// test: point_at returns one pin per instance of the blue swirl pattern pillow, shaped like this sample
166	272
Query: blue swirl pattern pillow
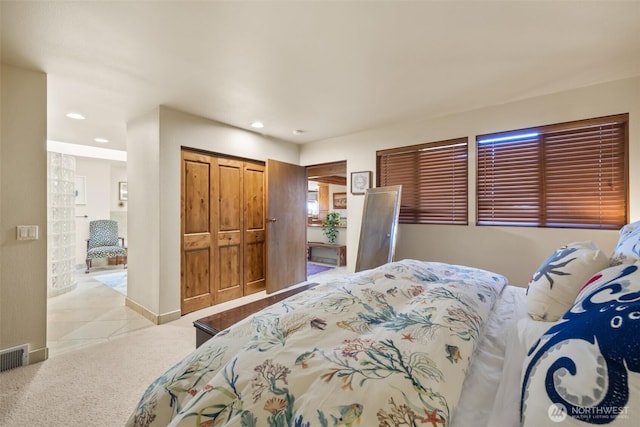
553	288
586	368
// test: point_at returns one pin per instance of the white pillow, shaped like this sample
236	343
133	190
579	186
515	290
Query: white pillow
586	368
554	286
627	250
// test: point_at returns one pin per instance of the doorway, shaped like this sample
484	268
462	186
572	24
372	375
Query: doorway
327	192
84	309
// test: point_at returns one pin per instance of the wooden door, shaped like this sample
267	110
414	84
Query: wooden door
229	227
224	247
197	252
254	228
287	225
223	229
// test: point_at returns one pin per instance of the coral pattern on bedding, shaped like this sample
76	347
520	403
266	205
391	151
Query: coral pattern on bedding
627	250
388	346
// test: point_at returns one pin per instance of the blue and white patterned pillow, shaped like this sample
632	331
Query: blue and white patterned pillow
627	250
586	368
553	288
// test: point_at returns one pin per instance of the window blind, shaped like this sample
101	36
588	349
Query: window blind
566	175
433	178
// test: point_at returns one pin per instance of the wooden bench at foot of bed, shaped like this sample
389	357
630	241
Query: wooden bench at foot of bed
209	326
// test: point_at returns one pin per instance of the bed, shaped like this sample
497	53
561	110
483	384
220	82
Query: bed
415	343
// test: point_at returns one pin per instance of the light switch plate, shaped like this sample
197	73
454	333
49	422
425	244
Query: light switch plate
27	232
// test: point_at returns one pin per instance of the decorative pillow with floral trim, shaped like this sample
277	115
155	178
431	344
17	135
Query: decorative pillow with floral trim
553	288
627	251
586	368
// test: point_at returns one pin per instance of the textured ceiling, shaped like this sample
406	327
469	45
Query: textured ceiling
328	68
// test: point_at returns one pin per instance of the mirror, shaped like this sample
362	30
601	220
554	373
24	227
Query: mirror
379	225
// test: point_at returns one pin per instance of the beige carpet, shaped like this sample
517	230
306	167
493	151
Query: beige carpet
95	386
100	385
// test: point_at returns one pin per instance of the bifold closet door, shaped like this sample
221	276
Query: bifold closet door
254	228
229	226
223	229
197	252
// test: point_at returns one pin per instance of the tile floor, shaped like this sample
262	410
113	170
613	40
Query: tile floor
90	314
94	313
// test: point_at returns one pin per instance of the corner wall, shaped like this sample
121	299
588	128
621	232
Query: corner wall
513	251
153	169
23	201
143	215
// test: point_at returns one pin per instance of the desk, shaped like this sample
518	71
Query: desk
341	252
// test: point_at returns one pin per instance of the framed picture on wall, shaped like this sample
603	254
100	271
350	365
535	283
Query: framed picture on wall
339	200
80	190
123	193
360	181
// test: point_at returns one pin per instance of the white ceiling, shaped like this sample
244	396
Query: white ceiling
326	67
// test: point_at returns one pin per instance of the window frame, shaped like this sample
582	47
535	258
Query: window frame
547	198
412	209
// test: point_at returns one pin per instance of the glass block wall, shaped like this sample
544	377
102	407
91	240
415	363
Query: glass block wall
61	242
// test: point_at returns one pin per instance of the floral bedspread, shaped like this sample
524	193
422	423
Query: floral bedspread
387	347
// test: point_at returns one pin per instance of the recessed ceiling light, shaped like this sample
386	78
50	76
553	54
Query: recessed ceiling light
298	132
257	125
75	116
103	140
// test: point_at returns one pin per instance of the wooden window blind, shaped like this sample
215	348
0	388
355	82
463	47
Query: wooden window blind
433	178
570	175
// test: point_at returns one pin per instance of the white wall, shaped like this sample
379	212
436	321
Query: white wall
315	234
513	251
23	200
153	167
143	174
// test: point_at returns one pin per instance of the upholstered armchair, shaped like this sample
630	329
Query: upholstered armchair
104	242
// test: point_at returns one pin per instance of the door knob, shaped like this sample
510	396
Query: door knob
272	219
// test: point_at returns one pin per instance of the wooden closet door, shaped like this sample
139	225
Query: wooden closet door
229	226
197	252
254	231
223	229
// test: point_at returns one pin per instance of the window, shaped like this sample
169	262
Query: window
433	178
566	175
312	208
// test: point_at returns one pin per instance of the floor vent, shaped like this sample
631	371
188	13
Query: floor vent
14	357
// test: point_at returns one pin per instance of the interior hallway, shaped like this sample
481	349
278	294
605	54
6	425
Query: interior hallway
90	314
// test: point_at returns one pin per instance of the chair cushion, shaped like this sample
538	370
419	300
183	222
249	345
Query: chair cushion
106	251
